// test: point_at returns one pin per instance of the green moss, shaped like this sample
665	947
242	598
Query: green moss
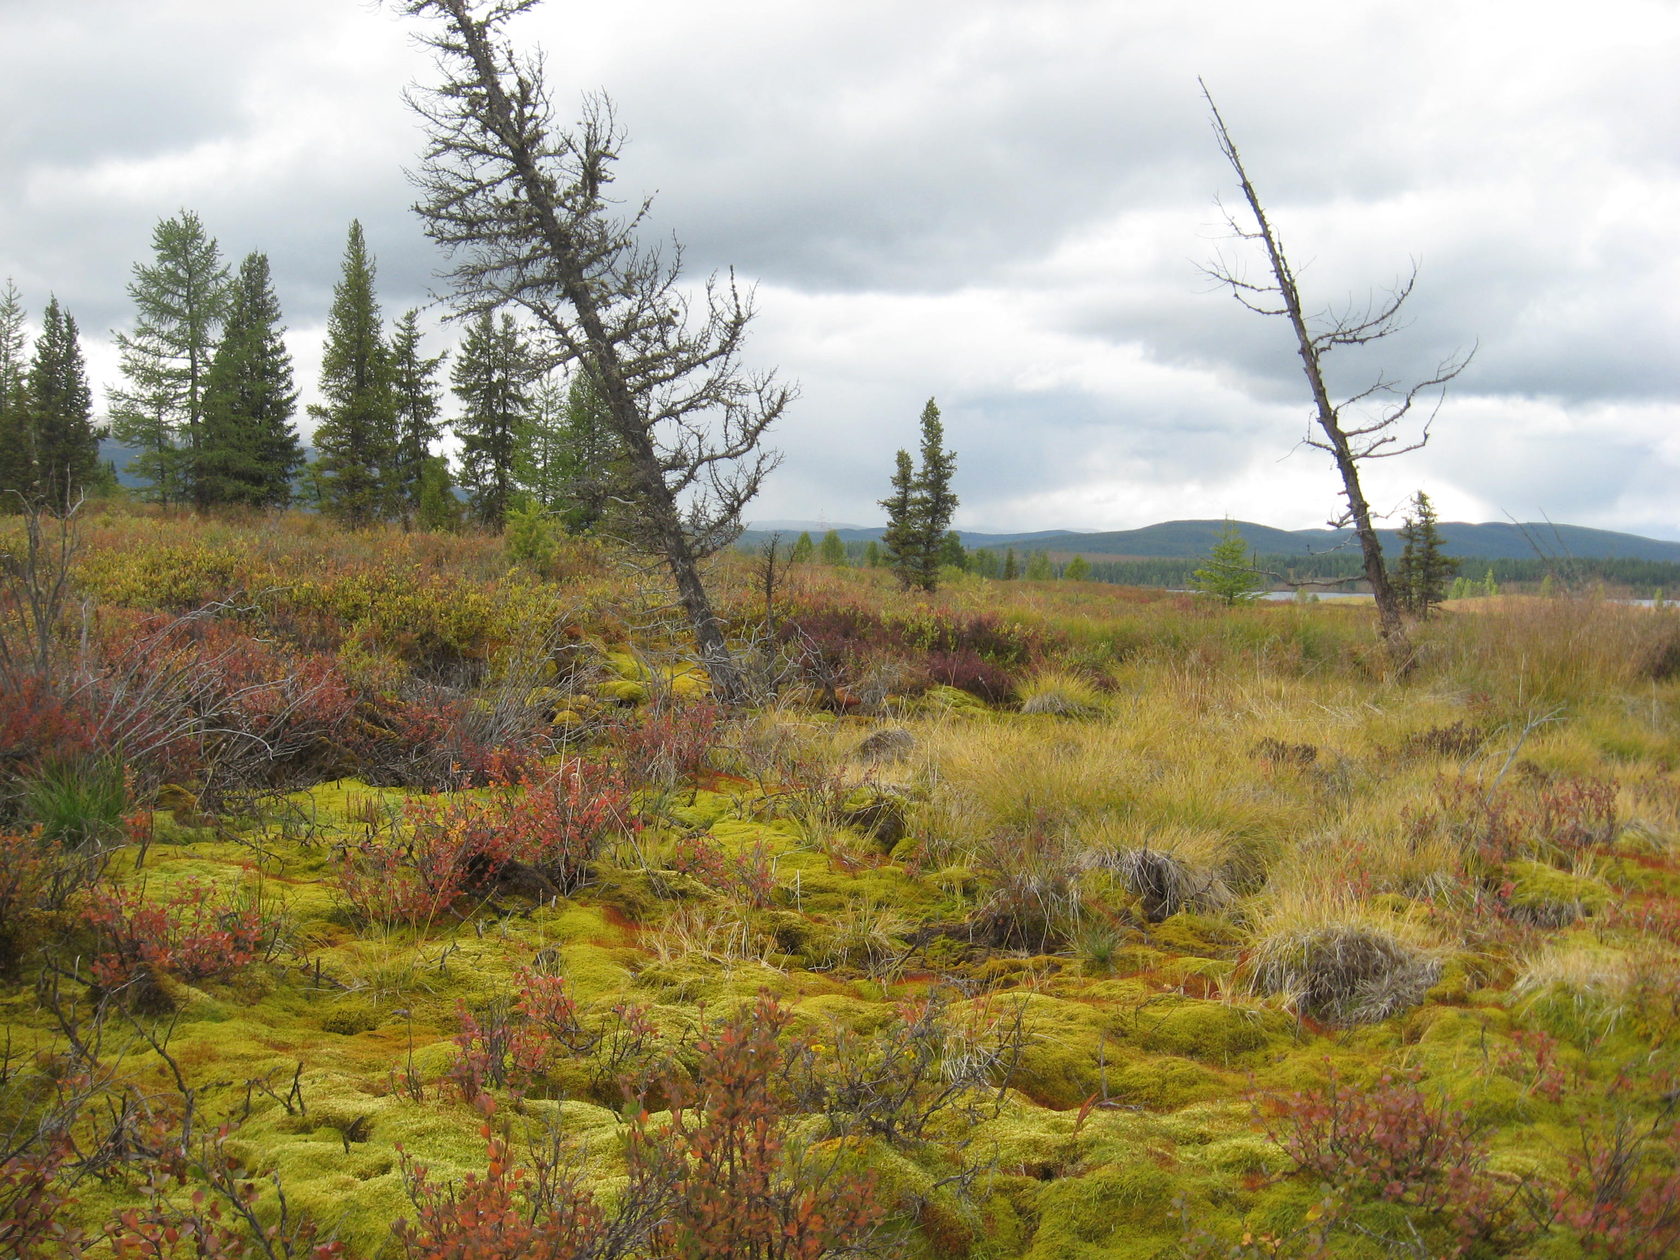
1216	1032
1544	895
622	691
1187	933
1123	1200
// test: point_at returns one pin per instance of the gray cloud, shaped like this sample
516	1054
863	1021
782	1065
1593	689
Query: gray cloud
1000	205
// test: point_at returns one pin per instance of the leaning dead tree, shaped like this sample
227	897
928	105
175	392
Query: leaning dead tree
520	206
1371	424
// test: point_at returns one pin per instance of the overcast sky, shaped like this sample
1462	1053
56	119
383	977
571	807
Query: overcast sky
998	204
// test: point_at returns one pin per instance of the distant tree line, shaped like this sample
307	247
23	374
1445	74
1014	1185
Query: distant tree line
207	402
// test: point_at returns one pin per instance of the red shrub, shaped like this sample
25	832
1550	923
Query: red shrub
190	936
1397	1142
748	877
743	1193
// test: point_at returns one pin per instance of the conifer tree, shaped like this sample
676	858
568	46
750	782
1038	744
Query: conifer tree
900	538
1010	569
1423	575
61	413
1078	569
356	427
803	550
415	396
1228	572
492	378
872	555
180	300
249	450
1038	567
831	550
17	438
935	501
920	507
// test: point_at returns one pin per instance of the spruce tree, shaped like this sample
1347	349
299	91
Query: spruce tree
415	395
1423	575
17	439
180	300
1228	572
356	427
249	450
1010	569
492	378
919	509
934	501
901	537
60	413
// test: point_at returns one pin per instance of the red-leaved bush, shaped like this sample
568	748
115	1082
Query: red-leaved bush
1399	1143
191	935
537	838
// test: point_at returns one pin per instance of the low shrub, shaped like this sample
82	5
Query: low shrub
191	935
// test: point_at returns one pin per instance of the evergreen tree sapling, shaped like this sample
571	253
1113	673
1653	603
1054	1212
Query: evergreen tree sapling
356	427
248	449
1011	570
415	396
1423	576
180	301
1228	574
60	413
492	378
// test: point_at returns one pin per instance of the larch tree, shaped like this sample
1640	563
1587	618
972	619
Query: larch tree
60	411
492	378
520	204
1369	424
180	300
1228	573
356	426
1425	571
249	450
416	399
17	436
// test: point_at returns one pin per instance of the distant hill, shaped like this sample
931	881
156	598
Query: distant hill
1493	540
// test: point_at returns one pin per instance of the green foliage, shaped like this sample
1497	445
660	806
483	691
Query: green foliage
17	435
1039	568
66	444
356	429
1078	569
1229	573
248	450
832	551
414	394
920	507
1420	579
532	535
804	550
179	300
492	377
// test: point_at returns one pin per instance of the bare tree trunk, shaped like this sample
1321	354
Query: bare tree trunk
1347	445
